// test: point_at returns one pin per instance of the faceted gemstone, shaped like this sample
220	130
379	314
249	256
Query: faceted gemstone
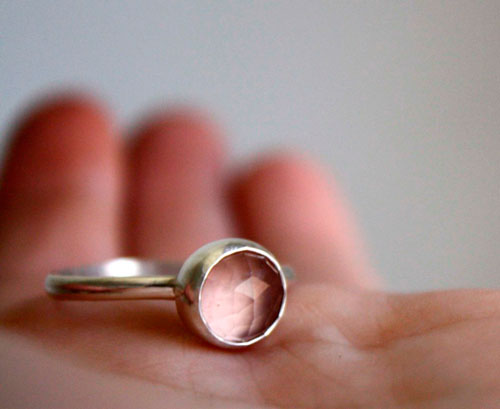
241	296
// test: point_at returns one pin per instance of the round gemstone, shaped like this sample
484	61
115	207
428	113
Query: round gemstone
242	296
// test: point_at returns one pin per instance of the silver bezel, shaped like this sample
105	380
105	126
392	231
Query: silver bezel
192	276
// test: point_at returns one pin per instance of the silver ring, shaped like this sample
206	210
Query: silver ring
231	292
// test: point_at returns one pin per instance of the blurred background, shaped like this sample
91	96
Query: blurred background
400	99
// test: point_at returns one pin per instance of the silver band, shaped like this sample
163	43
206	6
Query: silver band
123	278
119	279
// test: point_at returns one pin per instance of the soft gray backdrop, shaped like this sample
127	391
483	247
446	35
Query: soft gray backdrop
401	99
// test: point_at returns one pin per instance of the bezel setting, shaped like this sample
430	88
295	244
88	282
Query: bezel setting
192	276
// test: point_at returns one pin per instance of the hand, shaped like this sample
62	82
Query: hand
72	193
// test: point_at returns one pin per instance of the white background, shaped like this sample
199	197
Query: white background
400	99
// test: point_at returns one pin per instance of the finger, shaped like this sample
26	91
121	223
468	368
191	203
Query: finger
60	192
176	190
290	205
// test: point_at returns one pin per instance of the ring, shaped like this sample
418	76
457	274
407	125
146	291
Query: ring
230	292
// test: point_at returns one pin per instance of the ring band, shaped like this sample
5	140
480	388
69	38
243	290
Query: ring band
231	292
118	279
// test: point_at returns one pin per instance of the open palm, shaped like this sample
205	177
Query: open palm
74	193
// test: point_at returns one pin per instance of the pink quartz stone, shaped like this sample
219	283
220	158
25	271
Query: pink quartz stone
242	296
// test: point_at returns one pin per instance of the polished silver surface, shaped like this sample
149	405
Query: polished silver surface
131	278
118	279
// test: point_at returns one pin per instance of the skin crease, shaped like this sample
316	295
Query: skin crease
73	192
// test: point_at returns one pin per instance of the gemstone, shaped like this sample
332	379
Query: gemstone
242	296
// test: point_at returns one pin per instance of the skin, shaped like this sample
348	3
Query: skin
73	192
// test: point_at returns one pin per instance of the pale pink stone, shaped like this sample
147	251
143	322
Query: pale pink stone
241	296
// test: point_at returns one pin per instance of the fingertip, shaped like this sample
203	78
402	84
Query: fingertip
70	131
188	132
285	170
279	183
50	107
289	202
